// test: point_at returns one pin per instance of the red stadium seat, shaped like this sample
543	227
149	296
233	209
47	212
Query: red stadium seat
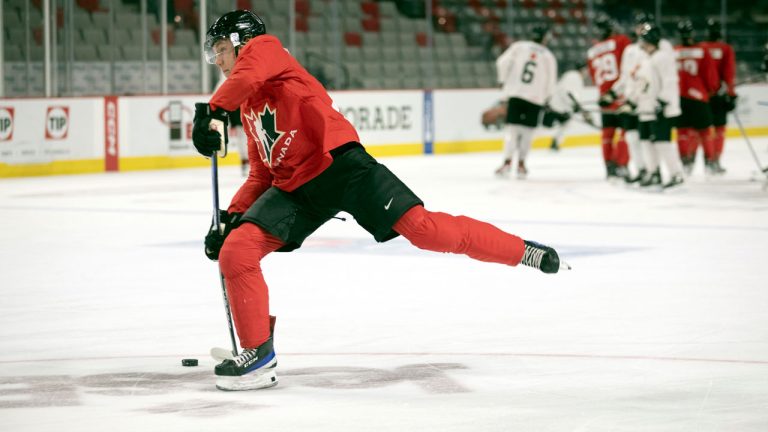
156	36
302	7
89	5
353	39
421	39
302	24
370	8
371	25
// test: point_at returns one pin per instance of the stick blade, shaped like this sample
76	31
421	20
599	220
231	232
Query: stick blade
220	354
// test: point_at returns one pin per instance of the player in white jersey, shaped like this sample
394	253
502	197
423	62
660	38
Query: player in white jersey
527	71
656	99
631	58
564	103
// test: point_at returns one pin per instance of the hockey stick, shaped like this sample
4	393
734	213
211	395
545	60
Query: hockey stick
220	354
217	222
579	109
749	143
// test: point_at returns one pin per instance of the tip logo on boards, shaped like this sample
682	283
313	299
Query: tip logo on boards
57	122
6	123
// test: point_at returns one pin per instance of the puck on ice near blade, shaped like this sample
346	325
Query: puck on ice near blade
189	362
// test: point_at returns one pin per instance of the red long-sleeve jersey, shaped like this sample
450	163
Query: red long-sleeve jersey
696	70
287	115
725	63
604	60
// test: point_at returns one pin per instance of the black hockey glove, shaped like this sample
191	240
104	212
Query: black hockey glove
626	108
607	99
729	102
215	237
206	139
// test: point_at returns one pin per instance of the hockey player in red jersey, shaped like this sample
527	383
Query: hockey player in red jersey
724	100
698	81
604	60
307	164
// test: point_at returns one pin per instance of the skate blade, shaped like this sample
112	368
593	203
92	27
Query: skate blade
252	381
564	265
221	354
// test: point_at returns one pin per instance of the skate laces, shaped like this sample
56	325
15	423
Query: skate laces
533	256
246	356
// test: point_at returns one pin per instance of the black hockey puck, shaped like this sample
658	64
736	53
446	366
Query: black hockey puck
189	362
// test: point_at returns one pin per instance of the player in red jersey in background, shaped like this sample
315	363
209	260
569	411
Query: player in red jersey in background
724	100
306	165
604	61
698	82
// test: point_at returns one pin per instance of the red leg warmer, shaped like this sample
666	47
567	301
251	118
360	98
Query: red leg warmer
685	146
708	142
607	143
248	294
621	153
441	232
719	141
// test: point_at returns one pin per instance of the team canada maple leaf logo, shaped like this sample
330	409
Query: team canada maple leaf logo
263	129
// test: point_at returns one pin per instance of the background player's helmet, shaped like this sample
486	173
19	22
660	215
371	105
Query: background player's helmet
236	26
651	33
685	30
605	25
714	31
539	32
644	18
764	66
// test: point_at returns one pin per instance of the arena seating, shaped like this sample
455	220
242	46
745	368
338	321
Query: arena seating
363	44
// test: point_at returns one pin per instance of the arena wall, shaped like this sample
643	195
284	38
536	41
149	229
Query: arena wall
125	133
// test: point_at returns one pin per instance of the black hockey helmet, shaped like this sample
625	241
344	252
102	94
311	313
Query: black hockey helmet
605	24
714	31
236	26
539	32
644	18
685	30
764	66
651	33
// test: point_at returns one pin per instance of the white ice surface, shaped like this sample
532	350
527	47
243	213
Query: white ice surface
661	326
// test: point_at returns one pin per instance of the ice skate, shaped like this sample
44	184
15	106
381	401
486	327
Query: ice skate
639	177
504	170
674	181
718	169
542	257
713	168
653	179
253	369
522	171
621	173
610	170
688	166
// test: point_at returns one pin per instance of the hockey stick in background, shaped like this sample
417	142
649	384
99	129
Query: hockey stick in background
217	224
578	108
749	143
